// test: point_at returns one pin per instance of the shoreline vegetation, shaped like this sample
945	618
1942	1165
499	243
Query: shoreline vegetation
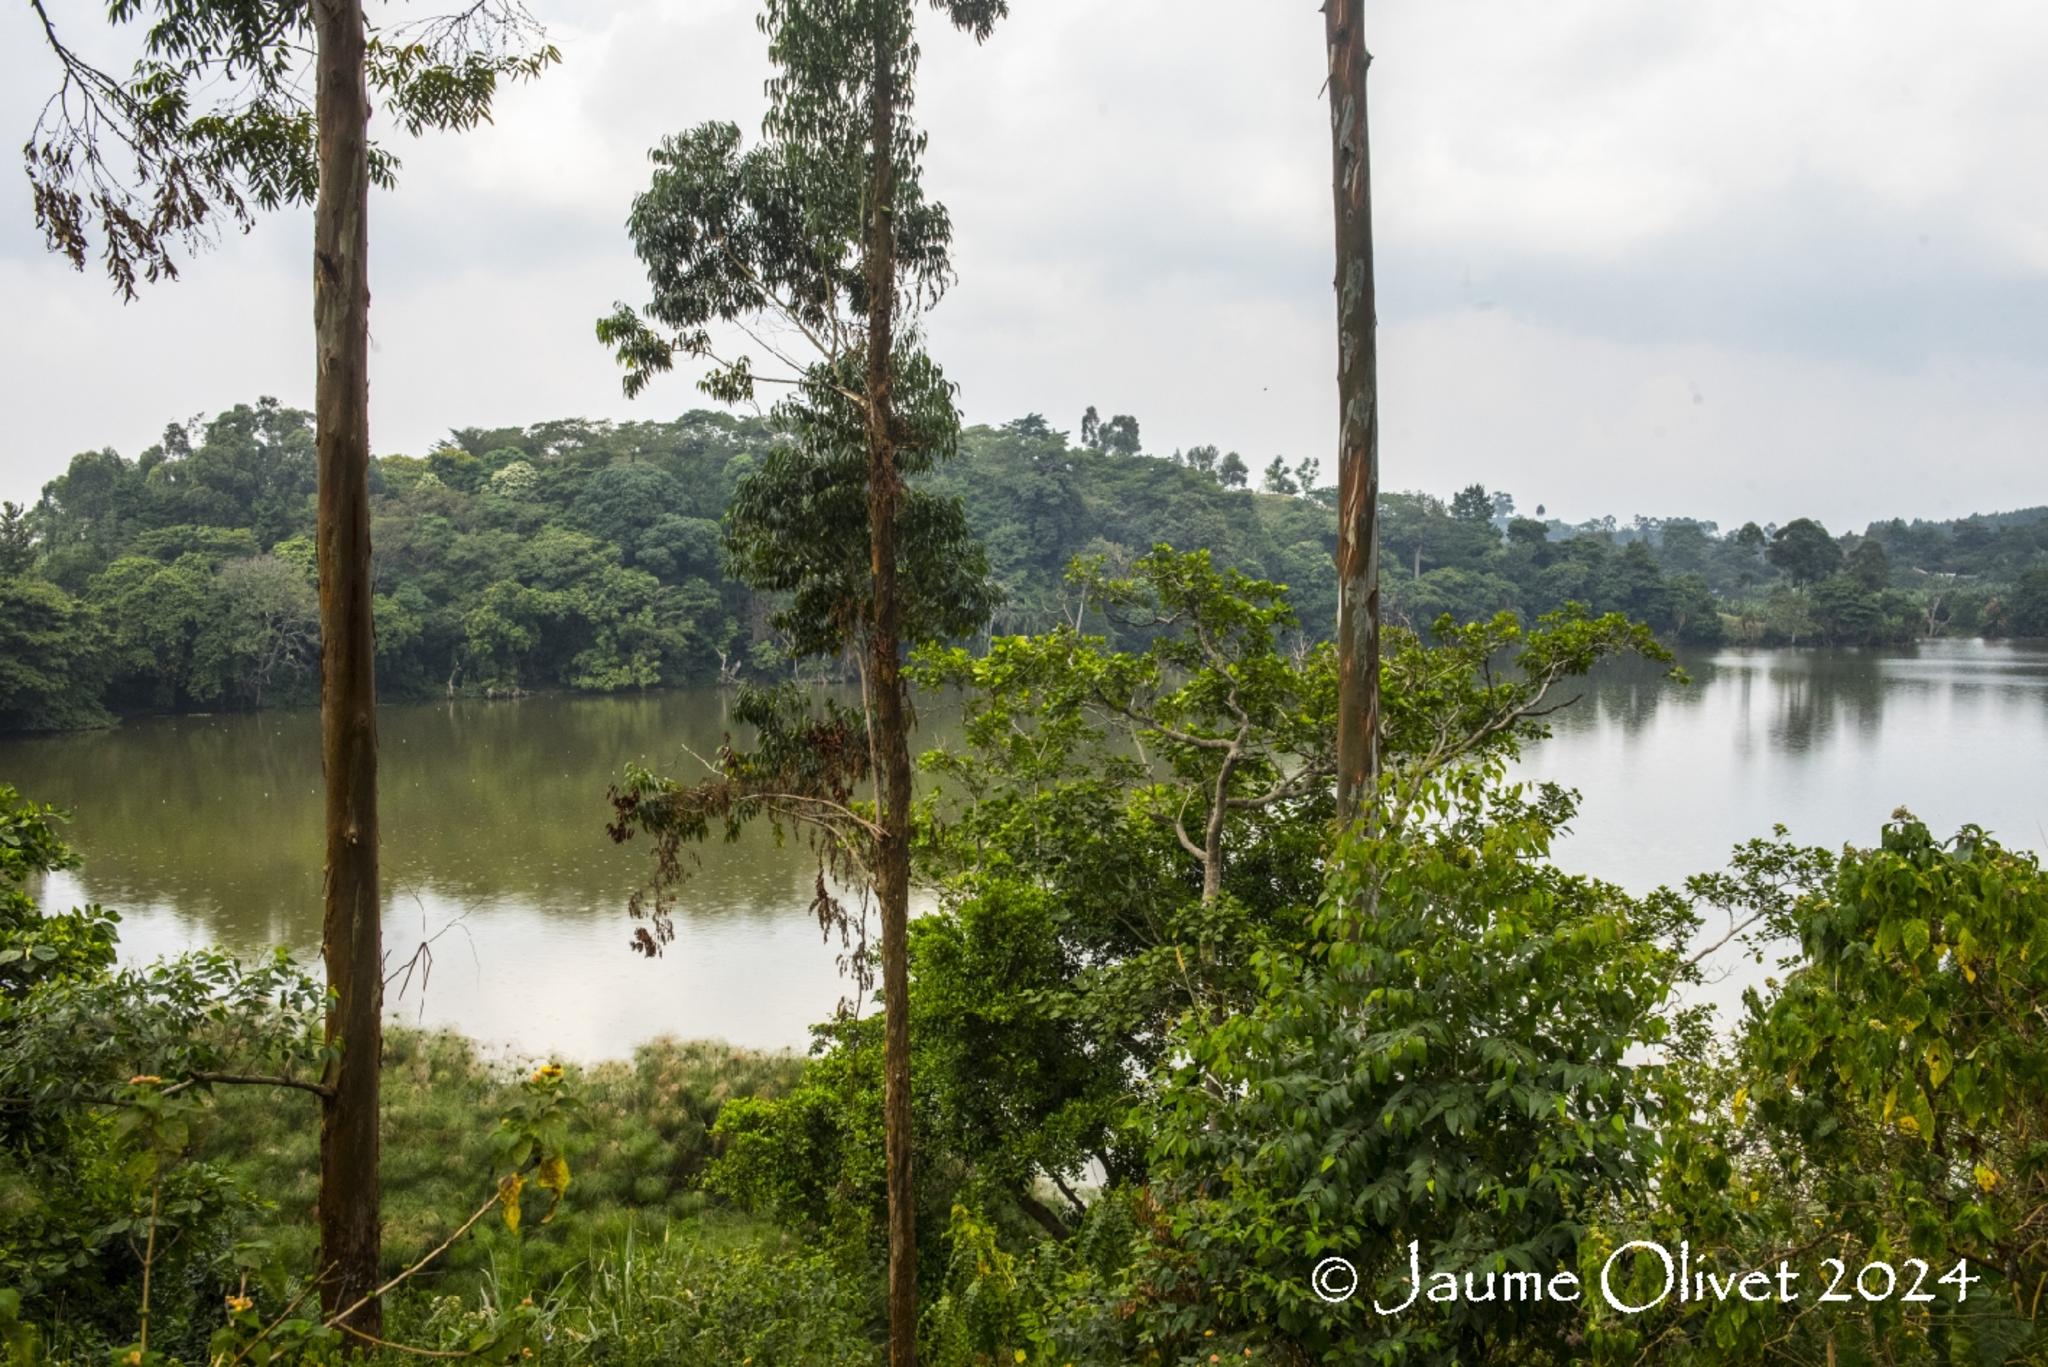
1146	1105
579	556
832	679
1109	1178
1248	955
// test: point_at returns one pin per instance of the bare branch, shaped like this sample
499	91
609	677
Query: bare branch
249	1080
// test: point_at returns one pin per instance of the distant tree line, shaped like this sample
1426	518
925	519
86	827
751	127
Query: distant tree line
591	556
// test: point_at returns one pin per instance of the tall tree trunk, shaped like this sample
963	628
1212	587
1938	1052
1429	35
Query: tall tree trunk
1358	443
886	702
351	937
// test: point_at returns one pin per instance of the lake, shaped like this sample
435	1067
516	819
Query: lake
206	830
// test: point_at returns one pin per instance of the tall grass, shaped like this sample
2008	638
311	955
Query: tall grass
755	1297
635	1165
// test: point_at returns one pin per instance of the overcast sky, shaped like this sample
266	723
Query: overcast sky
1760	258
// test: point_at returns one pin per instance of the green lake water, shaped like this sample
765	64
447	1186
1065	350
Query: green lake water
206	830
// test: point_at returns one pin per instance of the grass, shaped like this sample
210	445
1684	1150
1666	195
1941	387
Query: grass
640	1267
759	1300
636	1161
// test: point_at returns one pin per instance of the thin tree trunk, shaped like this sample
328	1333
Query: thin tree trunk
1212	829
351	938
1358	446
886	703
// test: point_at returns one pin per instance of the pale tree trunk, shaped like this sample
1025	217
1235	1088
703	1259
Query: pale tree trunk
886	702
1358	448
351	938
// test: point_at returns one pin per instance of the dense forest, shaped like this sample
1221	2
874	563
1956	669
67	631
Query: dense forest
1246	1018
591	556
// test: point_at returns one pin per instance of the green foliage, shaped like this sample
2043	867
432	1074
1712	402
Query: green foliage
983	1314
1463	1047
1935	1070
763	1303
727	234
52	661
17	540
1239	724
1075	927
36	948
126	1218
599	1287
2026	614
92	1184
1448	1056
798	523
1881	1101
1869	566
782	231
601	562
638	1152
1119	436
1804	550
808	757
1845	611
812	1160
216	119
529	1147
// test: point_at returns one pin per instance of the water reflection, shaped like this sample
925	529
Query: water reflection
206	830
1826	741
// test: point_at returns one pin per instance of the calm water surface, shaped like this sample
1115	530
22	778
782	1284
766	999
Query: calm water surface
206	830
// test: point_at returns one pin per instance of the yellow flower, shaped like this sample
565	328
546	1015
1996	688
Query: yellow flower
547	1072
237	1304
145	1080
134	1358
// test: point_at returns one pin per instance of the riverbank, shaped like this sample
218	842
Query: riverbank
637	1163
160	1151
209	833
641	1265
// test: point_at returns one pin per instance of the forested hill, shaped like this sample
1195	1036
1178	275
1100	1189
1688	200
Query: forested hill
587	555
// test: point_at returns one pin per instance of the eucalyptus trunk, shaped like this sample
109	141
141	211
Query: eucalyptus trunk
1358	443
351	937
885	699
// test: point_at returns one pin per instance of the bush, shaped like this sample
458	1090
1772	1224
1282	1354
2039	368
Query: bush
1455	1055
672	1300
638	1156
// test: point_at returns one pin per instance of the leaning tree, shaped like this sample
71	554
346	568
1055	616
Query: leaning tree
211	124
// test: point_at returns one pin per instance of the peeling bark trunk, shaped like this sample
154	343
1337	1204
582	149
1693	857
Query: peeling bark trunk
1358	548
351	936
885	700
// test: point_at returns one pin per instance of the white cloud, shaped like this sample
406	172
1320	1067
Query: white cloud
1818	214
1591	427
